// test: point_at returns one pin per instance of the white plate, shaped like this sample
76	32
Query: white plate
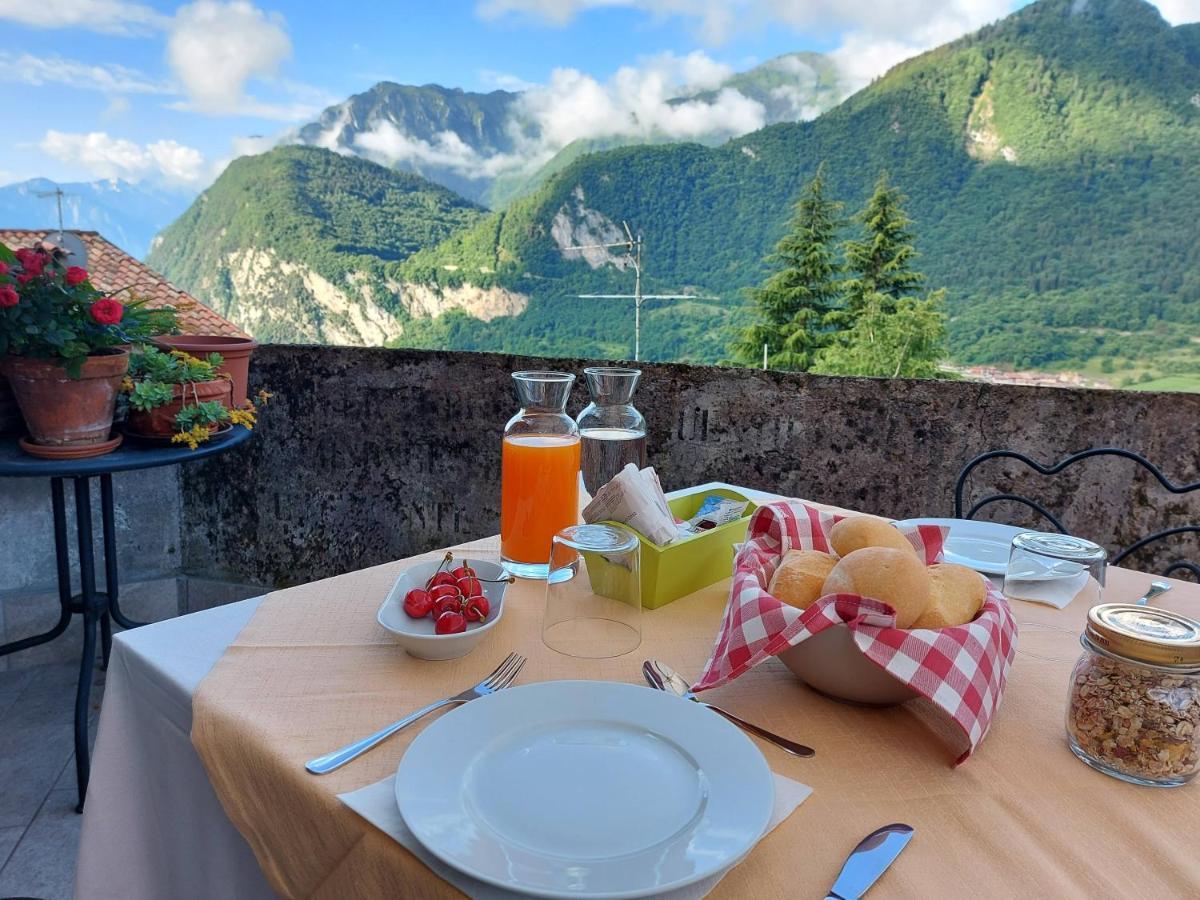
585	789
982	546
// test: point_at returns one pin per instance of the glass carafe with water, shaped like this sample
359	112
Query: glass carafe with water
611	430
539	476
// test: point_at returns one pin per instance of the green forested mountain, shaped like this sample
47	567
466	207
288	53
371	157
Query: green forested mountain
1051	166
297	244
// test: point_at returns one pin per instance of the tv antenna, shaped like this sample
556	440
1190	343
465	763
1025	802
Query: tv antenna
58	193
633	249
68	242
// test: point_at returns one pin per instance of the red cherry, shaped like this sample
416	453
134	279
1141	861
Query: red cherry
441	578
418	603
444	590
476	608
462	572
450	623
446	604
470	586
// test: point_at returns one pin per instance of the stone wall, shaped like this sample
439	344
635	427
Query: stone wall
367	455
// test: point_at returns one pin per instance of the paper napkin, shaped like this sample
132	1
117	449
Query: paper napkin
377	804
1056	592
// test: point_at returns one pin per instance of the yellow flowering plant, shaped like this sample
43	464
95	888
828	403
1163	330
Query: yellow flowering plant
157	379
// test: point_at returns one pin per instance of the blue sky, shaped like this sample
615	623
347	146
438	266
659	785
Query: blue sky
169	92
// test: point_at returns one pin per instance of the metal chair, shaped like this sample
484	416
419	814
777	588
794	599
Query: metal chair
959	485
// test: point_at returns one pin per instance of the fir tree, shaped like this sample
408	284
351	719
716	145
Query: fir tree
795	301
880	262
882	328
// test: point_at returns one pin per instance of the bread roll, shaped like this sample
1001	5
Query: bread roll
956	594
896	577
857	532
800	576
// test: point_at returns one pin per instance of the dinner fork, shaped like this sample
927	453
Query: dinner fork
664	678
498	680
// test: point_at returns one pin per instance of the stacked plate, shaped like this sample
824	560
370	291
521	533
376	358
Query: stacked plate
585	789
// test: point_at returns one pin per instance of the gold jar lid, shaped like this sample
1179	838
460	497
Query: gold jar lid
1145	634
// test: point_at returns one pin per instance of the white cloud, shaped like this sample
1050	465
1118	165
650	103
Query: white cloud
215	47
502	81
1178	12
104	16
36	71
104	156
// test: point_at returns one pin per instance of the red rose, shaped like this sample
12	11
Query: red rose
107	311
3	268
24	255
76	275
8	296
24	278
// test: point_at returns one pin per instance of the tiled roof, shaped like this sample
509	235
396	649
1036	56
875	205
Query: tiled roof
112	269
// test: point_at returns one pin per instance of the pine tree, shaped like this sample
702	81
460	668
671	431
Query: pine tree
796	300
882	328
881	261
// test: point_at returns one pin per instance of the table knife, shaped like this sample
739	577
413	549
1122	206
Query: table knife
869	860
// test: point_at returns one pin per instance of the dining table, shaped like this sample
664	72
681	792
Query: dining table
199	790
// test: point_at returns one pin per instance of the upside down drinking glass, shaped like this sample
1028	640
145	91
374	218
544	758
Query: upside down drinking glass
539	478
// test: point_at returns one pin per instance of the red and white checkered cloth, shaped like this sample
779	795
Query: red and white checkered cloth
962	670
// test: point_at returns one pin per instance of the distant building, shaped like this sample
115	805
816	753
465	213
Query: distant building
112	269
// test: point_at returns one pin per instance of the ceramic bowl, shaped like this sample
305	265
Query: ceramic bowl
417	636
831	663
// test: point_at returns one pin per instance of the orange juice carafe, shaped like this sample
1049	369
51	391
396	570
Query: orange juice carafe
539	472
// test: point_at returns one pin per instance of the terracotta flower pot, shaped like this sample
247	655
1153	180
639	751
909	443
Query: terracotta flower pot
10	416
160	422
235	350
63	411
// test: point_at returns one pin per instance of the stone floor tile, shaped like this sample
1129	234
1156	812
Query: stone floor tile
43	863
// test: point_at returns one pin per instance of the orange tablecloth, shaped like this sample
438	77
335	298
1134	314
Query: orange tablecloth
313	670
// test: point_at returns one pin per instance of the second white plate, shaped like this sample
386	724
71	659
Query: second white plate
982	546
585	789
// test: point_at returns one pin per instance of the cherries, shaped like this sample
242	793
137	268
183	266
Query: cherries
451	597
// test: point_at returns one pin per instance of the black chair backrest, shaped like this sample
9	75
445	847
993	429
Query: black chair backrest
960	485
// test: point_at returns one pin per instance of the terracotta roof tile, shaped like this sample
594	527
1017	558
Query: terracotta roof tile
112	269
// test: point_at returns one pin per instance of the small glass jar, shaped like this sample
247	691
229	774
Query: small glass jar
1133	711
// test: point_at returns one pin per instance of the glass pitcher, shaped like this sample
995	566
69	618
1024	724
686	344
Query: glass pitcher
612	431
539	472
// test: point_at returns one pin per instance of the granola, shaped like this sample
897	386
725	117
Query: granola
1140	721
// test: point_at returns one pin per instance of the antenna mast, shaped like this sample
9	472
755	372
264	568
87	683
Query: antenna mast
57	194
633	249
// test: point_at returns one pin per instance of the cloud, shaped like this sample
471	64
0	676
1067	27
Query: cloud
214	48
1179	12
164	161
104	16
37	71
503	81
874	35
575	106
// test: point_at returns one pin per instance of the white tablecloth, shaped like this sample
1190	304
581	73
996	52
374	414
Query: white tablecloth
152	826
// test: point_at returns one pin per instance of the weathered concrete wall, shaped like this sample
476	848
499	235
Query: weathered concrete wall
367	455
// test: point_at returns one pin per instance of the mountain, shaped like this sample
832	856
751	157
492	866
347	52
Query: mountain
1051	164
128	215
792	88
489	147
440	133
300	244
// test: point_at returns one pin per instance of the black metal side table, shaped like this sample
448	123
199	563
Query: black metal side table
98	608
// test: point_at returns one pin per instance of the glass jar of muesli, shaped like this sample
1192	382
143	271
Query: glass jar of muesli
1134	705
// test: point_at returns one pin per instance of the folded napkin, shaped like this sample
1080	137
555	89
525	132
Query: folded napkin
961	670
377	804
1056	592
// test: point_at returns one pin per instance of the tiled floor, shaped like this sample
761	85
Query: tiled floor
39	829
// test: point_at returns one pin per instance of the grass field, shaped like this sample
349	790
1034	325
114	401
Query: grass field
1187	383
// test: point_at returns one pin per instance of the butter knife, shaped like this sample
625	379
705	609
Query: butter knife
869	860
